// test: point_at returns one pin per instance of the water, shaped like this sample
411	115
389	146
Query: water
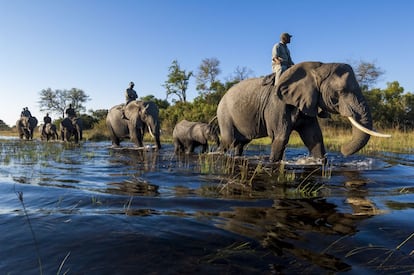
90	209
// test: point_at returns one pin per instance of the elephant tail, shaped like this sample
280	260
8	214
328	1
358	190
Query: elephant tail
213	123
212	120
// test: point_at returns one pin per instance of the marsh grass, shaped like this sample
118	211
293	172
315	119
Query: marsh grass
385	259
233	250
30	152
310	189
19	195
251	177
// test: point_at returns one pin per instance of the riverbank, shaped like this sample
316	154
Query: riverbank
400	142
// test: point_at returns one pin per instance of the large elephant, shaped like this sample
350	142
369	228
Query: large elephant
25	126
140	116
254	108
71	127
187	135
48	131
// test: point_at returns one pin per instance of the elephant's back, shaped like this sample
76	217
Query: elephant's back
183	126
188	129
242	95
116	107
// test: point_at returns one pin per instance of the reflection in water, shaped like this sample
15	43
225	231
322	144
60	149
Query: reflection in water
141	211
133	187
294	227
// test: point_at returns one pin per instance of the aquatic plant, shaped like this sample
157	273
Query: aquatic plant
19	195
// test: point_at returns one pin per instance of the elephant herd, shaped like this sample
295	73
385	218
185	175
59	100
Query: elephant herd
143	117
69	128
255	108
258	107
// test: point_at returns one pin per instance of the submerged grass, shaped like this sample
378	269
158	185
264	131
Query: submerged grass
252	177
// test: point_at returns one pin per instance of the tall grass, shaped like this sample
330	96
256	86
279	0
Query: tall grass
334	138
402	141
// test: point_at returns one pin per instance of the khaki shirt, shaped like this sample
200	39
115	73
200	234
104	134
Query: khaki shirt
281	50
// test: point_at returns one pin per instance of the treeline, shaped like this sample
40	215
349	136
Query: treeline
391	107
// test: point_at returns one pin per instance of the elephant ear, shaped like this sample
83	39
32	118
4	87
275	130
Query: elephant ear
299	86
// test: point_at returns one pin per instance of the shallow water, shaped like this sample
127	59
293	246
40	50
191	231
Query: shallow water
91	209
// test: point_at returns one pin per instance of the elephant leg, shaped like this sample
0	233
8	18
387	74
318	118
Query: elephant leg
239	147
177	146
115	140
278	148
205	148
226	134
311	135
136	137
158	142
279	143
190	147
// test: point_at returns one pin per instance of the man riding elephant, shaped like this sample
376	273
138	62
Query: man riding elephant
130	95
71	125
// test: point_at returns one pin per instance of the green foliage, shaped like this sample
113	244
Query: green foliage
99	114
3	126
88	121
177	83
391	107
161	103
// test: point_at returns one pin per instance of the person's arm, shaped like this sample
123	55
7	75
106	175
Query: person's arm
276	55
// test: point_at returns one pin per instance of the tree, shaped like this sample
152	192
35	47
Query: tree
56	101
3	126
391	107
177	83
99	114
367	74
161	103
207	74
240	73
77	97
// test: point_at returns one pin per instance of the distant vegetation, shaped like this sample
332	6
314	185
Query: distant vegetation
391	108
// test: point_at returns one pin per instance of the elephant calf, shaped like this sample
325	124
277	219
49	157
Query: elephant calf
188	135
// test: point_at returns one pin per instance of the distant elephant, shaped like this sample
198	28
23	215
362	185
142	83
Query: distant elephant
255	108
188	135
25	126
71	127
48	131
140	117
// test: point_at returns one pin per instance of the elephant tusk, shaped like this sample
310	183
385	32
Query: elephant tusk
149	130
366	130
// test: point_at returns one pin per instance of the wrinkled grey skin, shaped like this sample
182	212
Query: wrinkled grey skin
141	117
248	110
25	127
48	132
188	135
71	128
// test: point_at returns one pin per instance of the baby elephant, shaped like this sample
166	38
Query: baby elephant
188	135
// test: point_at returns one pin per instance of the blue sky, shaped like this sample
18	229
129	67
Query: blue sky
99	46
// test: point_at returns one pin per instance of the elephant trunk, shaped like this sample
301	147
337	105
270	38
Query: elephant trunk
359	140
360	116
